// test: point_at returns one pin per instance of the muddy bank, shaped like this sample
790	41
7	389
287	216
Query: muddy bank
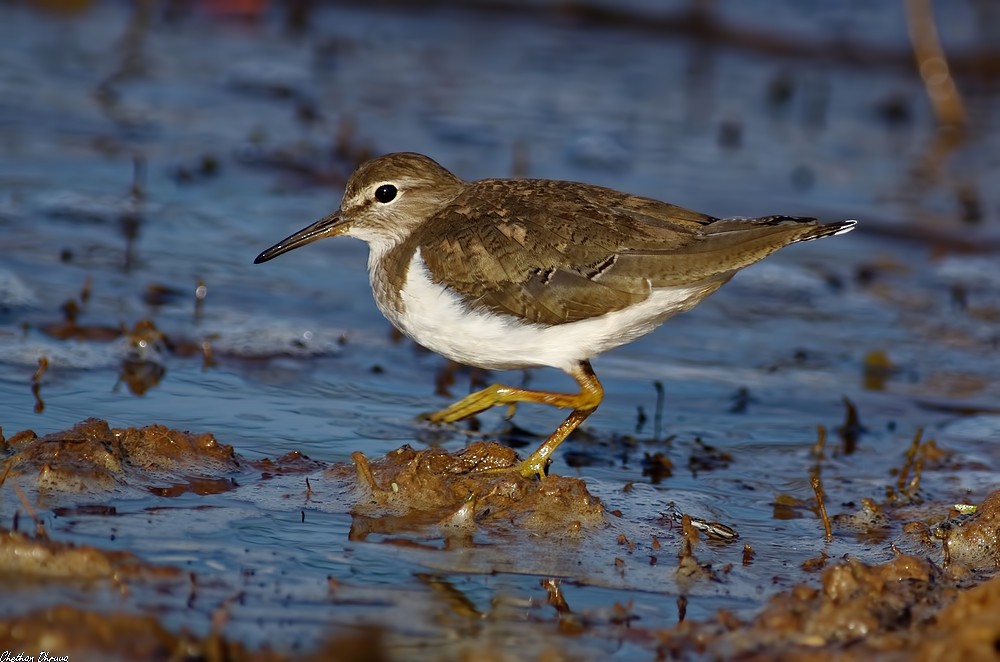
934	598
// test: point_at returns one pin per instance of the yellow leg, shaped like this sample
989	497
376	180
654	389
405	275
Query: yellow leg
583	405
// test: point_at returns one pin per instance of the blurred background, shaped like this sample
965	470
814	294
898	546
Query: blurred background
149	150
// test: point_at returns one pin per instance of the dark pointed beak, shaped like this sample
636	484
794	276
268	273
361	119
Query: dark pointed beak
329	226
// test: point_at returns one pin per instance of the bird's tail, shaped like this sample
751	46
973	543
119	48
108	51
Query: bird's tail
829	230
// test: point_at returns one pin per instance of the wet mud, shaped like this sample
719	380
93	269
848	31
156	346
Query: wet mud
92	457
478	486
925	602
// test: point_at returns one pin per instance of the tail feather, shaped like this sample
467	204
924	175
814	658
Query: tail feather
814	231
830	230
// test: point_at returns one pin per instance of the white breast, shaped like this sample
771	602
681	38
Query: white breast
435	317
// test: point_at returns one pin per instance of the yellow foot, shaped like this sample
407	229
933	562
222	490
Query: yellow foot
471	404
582	404
533	467
589	397
538	462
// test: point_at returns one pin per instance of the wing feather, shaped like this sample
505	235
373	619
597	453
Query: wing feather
558	252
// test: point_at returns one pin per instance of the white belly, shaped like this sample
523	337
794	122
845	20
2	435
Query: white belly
435	317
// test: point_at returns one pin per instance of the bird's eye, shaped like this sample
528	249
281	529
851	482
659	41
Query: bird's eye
385	193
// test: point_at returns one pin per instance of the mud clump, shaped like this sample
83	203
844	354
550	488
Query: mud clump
24	557
75	632
474	487
904	609
968	628
973	540
859	611
93	457
70	633
854	602
910	608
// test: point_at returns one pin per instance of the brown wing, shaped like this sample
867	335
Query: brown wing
557	252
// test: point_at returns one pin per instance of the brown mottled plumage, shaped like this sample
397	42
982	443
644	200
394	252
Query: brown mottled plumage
560	252
507	273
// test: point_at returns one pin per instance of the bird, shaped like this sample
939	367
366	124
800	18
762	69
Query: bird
521	273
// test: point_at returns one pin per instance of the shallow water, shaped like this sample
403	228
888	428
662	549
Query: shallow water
234	125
